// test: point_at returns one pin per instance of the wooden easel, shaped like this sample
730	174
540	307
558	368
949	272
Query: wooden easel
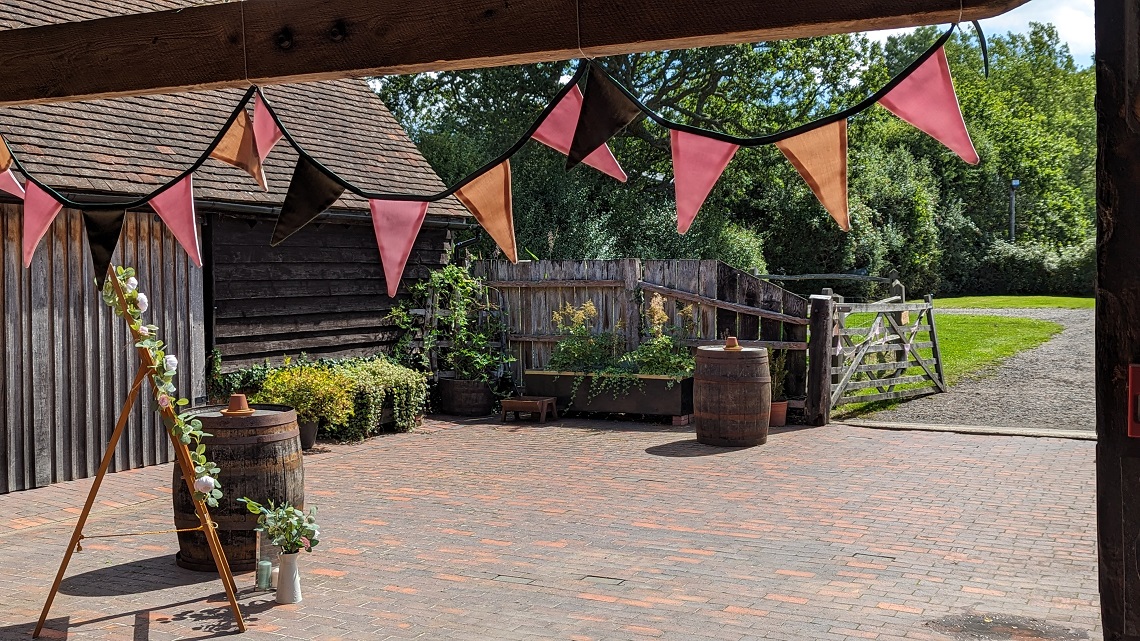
182	454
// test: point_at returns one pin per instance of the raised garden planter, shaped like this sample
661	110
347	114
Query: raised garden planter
660	395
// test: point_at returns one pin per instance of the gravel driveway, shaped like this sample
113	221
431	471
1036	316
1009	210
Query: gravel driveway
1048	387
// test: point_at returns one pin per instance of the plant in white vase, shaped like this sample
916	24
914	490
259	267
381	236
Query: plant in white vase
292	530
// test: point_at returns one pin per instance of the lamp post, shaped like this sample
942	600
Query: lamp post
1013	185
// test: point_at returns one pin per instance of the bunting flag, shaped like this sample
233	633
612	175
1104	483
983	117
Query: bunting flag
266	133
9	184
40	208
175	207
103	231
698	162
605	111
311	192
820	155
396	223
5	156
488	197
926	99
238	147
557	132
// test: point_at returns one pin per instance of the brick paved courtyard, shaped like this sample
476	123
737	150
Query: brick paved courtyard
592	530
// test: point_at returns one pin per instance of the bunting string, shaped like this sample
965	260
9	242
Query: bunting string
577	123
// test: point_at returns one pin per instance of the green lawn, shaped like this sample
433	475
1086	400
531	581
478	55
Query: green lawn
971	345
1007	302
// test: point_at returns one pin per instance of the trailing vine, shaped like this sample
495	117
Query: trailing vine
184	426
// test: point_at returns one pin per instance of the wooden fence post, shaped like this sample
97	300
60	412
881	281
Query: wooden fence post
817	408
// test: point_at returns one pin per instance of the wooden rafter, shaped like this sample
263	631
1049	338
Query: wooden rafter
274	41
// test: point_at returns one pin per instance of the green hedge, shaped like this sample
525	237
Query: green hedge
373	384
1035	269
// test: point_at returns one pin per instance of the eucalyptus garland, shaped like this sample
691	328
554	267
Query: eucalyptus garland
183	426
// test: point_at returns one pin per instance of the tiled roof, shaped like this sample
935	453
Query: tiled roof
131	145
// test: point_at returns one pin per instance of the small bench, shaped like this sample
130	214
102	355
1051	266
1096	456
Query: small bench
536	405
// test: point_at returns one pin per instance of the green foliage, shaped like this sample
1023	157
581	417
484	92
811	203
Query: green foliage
1037	269
371	385
379	383
778	367
289	528
317	393
471	325
601	356
247	380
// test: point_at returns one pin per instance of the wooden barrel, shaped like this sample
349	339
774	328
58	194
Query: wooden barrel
732	396
260	458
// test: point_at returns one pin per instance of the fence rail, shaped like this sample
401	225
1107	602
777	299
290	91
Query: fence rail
709	299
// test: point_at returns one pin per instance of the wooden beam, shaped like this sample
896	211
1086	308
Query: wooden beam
276	41
1117	312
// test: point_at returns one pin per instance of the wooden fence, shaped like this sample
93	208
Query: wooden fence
68	361
718	301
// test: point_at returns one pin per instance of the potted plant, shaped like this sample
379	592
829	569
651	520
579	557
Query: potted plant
779	371
318	394
591	371
457	332
292	530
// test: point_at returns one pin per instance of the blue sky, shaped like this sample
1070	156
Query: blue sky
1073	19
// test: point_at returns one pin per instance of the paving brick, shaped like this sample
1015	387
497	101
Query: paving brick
578	530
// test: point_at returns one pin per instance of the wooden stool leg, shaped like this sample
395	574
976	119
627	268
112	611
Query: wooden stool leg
503	416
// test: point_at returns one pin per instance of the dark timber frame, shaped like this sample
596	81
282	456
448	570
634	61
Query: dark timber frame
293	40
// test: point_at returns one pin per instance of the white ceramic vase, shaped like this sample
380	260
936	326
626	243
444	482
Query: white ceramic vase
289	579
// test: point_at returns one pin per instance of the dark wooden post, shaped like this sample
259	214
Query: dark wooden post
1117	313
817	408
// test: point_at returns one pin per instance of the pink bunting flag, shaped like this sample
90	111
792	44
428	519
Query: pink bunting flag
557	132
396	223
40	208
9	184
266	133
926	99
175	207
698	162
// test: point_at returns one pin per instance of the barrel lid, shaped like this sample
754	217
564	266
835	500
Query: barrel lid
721	349
264	414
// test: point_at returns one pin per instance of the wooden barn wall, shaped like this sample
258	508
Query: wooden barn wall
321	292
67	360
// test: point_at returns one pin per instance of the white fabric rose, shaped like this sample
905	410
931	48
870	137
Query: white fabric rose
142	303
143	331
132	284
205	485
171	362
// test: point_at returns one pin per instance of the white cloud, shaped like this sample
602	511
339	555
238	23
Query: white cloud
1072	18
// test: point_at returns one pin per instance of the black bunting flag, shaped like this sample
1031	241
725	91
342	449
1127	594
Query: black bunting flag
103	231
606	110
311	192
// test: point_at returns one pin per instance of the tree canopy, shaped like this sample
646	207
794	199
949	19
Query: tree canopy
915	205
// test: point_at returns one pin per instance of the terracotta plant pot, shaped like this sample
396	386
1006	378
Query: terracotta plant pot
308	434
289	579
779	416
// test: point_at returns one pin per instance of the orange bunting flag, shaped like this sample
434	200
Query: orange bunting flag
396	223
40	209
238	147
926	99
698	162
5	156
820	155
488	197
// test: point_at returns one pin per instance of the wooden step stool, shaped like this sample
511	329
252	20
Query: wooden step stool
536	405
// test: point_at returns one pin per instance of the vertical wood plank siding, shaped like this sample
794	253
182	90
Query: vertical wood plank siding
321	292
66	359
